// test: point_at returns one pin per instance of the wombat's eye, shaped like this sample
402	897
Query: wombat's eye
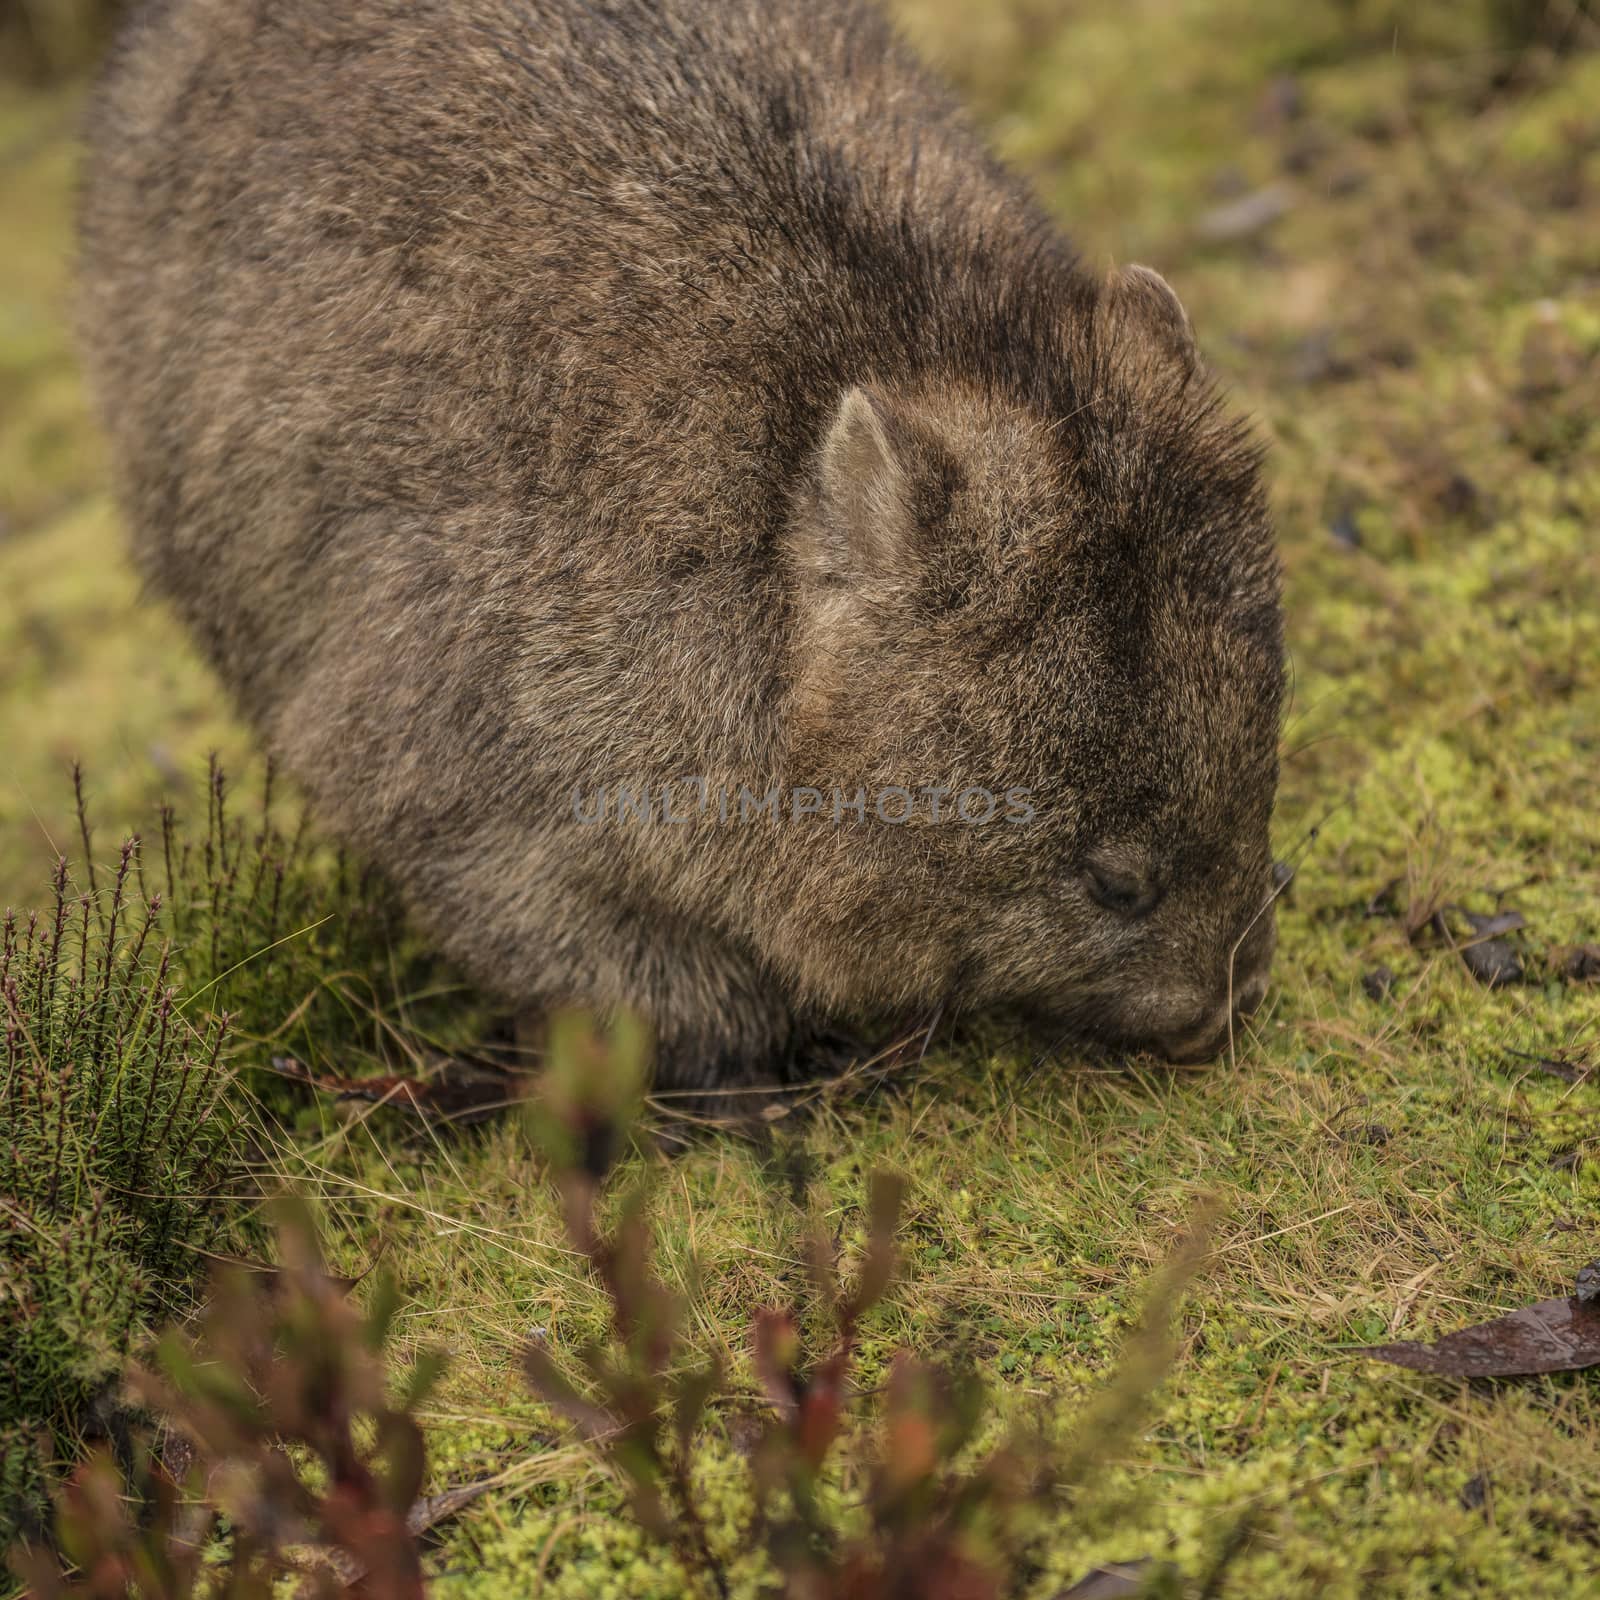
1122	892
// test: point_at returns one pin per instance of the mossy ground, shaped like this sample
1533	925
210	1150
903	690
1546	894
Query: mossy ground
1419	335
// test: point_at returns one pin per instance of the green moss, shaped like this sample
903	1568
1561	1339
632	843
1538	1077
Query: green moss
1420	339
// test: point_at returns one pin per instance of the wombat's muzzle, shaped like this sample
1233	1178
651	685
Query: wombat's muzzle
1241	992
1212	1037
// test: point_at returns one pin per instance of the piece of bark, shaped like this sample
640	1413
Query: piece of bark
457	1092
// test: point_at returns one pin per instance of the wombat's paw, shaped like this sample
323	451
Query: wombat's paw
714	1086
721	1087
826	1059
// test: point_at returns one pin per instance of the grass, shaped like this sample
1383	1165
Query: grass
122	1007
1419	335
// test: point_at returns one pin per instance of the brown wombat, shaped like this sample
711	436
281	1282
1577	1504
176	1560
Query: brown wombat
674	498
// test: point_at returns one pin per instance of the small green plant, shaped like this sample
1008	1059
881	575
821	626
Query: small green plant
938	1525
309	953
121	1003
302	1451
117	1133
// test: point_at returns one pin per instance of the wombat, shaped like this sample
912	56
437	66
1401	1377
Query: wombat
675	499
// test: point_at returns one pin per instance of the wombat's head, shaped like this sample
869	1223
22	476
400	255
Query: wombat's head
1068	600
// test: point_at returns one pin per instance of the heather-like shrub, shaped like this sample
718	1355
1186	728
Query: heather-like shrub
300	1447
117	1133
942	1518
128	1004
308	953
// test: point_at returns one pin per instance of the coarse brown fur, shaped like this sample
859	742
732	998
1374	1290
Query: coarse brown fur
526	398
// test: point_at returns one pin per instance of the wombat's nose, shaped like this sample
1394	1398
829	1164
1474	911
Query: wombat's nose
1200	1044
1206	1040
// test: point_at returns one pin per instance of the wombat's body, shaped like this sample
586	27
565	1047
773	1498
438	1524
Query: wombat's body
521	397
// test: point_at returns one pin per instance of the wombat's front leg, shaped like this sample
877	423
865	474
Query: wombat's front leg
715	1079
750	1053
719	1022
707	1076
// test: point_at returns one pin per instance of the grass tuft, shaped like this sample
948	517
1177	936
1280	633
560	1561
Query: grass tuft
130	1004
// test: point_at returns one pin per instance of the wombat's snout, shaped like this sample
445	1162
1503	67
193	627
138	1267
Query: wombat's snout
1209	1038
1204	1035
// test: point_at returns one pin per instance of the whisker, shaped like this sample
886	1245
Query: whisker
1298	855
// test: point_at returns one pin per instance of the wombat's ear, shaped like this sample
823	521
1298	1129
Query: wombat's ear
1140	298
865	497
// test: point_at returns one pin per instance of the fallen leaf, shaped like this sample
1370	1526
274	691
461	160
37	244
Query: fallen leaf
433	1509
457	1092
424	1514
1556	1066
1487	956
1120	1579
1582	964
1552	1336
1377	983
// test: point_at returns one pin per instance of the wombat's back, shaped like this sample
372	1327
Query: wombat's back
456	314
390	254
